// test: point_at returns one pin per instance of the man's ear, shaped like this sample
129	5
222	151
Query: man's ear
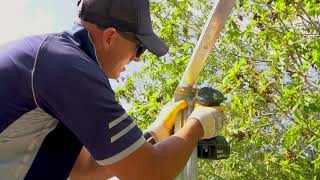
109	35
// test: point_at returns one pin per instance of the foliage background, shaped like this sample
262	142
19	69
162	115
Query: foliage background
266	62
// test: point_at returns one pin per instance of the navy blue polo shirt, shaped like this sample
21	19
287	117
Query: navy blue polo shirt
54	99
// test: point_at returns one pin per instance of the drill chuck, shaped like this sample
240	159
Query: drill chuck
207	96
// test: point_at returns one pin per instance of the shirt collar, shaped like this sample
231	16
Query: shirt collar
80	35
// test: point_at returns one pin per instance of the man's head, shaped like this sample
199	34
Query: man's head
121	30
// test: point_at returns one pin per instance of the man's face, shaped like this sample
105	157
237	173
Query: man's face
116	52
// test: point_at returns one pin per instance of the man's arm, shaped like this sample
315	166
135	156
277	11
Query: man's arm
162	161
86	168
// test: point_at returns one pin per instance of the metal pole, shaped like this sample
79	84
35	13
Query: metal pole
209	36
185	90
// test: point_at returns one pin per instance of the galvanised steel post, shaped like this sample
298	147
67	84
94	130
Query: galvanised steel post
186	89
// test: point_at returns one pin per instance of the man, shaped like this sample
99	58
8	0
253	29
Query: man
56	100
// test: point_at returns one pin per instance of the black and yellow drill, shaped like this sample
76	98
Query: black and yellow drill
218	147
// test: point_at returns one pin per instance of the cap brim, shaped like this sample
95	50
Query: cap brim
154	44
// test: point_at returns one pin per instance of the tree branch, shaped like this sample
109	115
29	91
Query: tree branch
310	20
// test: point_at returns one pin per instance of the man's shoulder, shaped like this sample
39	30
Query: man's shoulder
58	50
27	45
62	46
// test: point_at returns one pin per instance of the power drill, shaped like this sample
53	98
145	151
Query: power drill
218	147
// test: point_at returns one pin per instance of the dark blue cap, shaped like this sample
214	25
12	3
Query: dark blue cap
125	16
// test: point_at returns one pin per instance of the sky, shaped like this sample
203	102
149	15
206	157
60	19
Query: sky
25	17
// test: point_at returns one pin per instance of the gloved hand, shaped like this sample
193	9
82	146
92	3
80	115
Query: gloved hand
162	127
211	119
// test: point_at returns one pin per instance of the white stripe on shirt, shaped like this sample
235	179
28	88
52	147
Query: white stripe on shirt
118	120
123	132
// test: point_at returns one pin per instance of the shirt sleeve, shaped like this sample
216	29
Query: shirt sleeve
69	85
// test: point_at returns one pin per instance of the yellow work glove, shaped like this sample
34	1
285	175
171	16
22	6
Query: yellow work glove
162	127
211	118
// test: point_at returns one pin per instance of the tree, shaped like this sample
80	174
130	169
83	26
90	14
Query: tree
266	62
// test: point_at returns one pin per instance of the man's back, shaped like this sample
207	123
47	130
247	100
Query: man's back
23	126
30	134
32	141
16	64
